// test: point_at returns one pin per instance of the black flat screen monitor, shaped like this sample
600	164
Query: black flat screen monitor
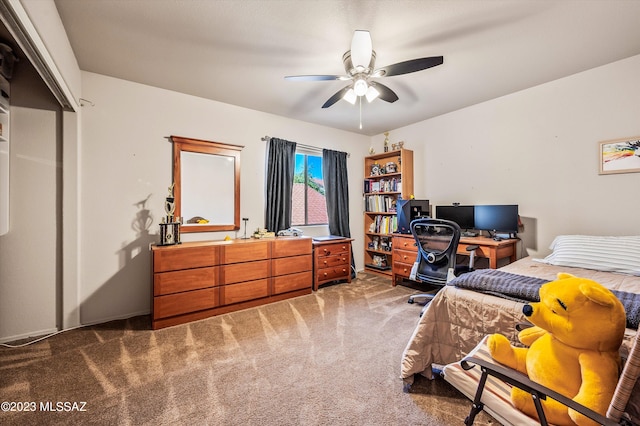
408	210
462	215
497	218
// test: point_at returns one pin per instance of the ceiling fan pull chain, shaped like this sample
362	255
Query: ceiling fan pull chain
360	98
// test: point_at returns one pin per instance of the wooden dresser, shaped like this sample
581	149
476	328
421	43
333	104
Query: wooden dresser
331	261
196	280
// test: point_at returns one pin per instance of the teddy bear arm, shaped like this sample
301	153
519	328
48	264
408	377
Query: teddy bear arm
531	334
599	379
501	350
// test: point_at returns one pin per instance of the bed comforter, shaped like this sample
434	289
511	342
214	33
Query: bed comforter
456	319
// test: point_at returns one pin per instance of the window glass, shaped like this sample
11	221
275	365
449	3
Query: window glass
309	202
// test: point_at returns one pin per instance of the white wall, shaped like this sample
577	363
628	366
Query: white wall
537	148
125	160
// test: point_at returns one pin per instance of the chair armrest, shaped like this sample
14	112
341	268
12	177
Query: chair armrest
519	380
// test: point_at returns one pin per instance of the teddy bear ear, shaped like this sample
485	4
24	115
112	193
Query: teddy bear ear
565	275
597	294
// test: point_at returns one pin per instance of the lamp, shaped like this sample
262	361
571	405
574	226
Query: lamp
350	96
372	93
360	87
361	50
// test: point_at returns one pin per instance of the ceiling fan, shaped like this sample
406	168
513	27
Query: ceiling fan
359	63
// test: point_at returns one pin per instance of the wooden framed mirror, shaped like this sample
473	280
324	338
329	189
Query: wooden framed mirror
206	178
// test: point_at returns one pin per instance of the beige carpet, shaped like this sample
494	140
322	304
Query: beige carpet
330	358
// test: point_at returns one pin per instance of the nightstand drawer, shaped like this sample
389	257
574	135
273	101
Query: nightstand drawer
329	274
333	260
333	249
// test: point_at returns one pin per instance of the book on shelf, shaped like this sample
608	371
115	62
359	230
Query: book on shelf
386	224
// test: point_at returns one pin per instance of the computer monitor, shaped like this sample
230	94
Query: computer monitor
408	210
497	218
462	215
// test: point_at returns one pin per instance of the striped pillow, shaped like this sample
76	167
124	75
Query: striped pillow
610	254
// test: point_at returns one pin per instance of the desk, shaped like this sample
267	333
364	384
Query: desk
405	252
490	248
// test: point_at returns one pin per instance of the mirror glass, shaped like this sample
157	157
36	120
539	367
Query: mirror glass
207	185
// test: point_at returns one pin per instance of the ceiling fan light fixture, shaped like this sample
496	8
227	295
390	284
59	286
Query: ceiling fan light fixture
372	93
361	48
350	96
360	87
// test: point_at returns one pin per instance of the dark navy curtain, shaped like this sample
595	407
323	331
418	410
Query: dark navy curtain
281	161
336	188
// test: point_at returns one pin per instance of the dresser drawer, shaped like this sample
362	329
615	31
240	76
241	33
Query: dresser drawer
286	283
235	293
291	265
330	274
186	280
178	257
187	302
333	249
333	260
404	256
294	246
404	243
244	252
402	269
247	271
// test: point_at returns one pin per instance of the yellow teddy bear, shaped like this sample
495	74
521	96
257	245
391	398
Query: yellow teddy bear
573	348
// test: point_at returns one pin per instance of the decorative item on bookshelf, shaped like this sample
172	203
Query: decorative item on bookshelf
391	167
386	141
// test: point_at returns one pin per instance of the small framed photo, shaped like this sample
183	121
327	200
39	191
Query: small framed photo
620	156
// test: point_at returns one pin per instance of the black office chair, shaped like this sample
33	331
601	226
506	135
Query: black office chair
437	242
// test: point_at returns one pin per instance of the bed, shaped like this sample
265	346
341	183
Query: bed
457	319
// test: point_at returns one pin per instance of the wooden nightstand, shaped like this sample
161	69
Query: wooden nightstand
331	261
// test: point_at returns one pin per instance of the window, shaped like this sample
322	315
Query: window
308	200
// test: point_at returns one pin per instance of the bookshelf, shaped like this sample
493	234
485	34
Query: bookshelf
388	176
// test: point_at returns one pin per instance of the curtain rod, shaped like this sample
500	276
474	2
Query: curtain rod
268	138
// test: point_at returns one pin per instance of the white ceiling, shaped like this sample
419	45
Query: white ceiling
238	51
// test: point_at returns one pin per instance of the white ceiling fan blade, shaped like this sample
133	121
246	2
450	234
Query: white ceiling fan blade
361	49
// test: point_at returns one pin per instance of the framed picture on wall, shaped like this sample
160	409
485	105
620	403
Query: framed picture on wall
620	156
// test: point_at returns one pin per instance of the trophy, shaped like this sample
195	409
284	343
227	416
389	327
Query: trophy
170	225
